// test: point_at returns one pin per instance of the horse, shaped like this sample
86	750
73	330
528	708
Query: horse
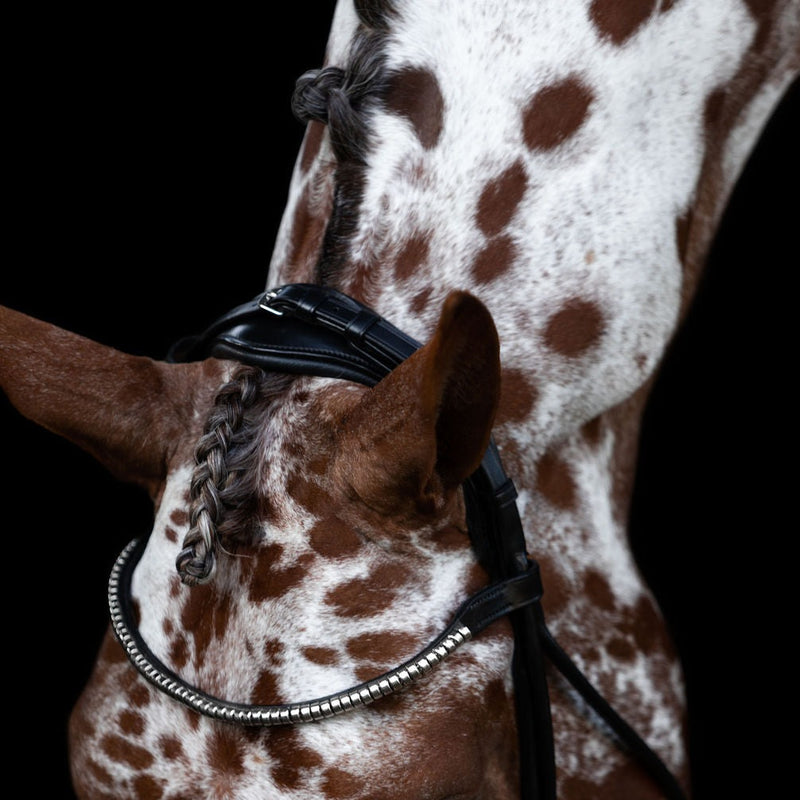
340	526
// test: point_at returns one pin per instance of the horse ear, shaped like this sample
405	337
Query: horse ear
126	411
419	433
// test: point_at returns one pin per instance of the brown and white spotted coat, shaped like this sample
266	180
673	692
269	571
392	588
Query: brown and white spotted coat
564	162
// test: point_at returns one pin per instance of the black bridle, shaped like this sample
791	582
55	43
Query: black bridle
314	330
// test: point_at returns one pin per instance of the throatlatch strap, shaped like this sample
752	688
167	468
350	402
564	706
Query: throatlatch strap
314	330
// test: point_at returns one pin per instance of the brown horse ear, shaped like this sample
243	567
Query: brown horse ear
126	411
419	433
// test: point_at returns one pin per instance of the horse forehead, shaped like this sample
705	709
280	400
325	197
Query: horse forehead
308	416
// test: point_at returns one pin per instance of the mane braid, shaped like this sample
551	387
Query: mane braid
223	500
375	13
352	93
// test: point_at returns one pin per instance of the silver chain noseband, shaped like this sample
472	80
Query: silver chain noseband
473	616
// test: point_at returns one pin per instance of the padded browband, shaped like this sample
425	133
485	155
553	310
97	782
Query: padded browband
304	329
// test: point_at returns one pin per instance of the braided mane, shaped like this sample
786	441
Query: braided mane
223	496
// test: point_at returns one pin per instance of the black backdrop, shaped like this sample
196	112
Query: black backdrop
147	173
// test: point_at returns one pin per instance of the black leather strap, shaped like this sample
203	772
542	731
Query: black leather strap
303	329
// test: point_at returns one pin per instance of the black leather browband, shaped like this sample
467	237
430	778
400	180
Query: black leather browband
306	330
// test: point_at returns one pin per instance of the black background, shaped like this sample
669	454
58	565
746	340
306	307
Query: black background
147	171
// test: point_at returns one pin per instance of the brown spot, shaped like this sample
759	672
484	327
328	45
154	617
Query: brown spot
421	300
494	259
574	328
621	649
555	483
305	492
273	649
500	198
332	539
222	615
369	596
340	784
192	718
591	654
318	465
195	619
123	752
386	648
265	690
321	655
267	581
592	431
131	722
225	752
559	590
147	788
180	517
648	627
555	113
495	694
179	651
618	20
171	747
100	774
414	253
762	12
311	144
139	694
598	590
517	396
366	673
714	109
171	534
414	93
290	756
111	651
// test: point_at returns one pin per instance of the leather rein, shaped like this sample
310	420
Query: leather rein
314	330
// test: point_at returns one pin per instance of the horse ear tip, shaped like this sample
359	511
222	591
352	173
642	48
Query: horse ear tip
462	302
462	297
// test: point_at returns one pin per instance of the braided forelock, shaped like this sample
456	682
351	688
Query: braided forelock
224	491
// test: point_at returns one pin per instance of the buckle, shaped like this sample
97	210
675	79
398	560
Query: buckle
268	300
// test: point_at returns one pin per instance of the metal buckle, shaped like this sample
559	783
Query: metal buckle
266	302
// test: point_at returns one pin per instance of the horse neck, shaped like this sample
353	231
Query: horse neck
566	164
660	104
